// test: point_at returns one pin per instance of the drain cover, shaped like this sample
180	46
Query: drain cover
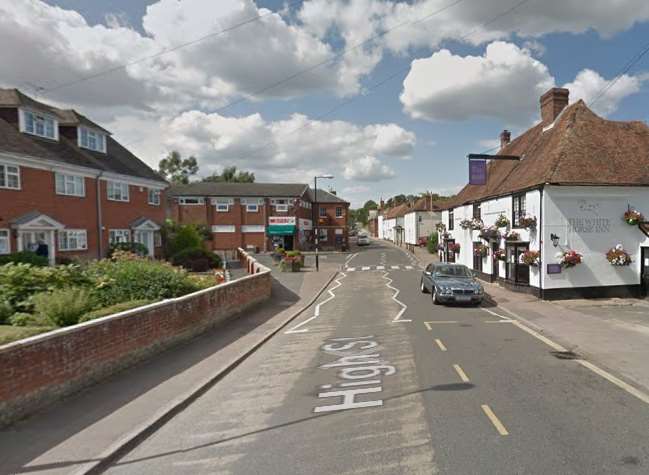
565	355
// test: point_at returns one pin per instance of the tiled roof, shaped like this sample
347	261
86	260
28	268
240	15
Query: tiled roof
238	189
325	197
580	148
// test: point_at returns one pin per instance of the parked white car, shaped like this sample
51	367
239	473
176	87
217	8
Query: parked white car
363	240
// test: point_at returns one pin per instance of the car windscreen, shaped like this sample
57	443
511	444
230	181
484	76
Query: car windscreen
452	271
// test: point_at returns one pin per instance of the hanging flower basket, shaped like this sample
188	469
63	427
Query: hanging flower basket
446	235
502	221
512	236
500	254
527	222
531	258
465	224
440	227
454	247
618	256
633	217
569	258
480	250
476	224
490	233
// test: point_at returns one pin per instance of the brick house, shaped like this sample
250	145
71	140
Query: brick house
260	215
575	177
67	184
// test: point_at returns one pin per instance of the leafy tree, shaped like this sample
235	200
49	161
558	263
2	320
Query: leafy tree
370	204
176	169
231	175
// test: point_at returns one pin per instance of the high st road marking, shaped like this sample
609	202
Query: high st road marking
428	324
460	372
440	344
494	420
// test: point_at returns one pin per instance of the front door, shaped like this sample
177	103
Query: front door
517	272
32	240
644	270
495	263
450	255
145	238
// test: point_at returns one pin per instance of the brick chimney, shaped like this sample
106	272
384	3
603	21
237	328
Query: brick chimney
552	103
505	138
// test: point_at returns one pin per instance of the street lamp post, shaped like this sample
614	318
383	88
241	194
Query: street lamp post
317	217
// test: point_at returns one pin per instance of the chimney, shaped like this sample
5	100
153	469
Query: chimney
505	138
552	103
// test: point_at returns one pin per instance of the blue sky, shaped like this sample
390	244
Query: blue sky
537	45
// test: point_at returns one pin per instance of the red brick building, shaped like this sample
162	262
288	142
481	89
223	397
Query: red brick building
261	215
66	184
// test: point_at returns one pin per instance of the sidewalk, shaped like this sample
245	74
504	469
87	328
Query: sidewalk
74	435
613	333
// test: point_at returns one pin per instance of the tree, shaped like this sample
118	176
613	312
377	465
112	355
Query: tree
231	175
370	204
177	170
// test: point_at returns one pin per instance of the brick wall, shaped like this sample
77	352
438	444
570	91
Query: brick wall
37	371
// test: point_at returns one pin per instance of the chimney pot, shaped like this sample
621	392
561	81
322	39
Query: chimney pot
505	138
552	103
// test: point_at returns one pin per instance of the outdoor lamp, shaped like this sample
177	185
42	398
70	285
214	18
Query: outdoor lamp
555	239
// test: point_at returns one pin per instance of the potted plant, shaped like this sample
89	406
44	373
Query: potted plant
500	254
512	236
476	224
454	247
296	255
633	217
290	264
466	224
490	233
502	221
278	254
480	250
440	227
527	222
618	256
531	258
569	258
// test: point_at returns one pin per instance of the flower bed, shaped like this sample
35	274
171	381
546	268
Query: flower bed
569	258
633	217
618	256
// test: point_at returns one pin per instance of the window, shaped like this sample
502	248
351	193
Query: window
223	228
322	235
191	201
117	191
253	228
9	176
39	124
71	185
323	212
119	235
281	204
476	211
92	140
451	219
518	208
154	197
339	212
5	246
252	207
73	240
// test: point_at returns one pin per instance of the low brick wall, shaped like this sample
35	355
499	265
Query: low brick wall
39	370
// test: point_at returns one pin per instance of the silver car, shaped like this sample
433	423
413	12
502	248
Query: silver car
451	283
363	240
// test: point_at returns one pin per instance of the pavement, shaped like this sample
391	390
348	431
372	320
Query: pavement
82	431
374	378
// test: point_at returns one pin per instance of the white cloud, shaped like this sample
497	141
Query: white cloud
504	83
293	149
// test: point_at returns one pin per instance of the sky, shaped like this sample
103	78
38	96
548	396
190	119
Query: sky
388	96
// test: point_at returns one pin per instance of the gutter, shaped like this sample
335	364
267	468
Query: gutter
100	226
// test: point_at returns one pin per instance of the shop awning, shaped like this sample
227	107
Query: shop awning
281	229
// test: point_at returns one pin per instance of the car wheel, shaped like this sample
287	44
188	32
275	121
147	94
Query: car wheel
422	287
435	298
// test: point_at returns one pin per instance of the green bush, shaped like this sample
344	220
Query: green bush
6	311
63	307
182	237
24	257
293	253
134	247
112	309
29	320
10	333
19	282
123	280
433	241
196	259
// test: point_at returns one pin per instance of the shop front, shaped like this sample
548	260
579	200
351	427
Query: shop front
281	230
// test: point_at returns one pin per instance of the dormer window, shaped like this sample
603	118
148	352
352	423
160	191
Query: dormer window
39	124
92	139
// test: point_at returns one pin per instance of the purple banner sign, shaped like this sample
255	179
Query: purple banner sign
554	268
477	172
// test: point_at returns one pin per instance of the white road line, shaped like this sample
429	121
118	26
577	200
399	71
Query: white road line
365	268
404	307
409	267
494	313
380	267
438	321
395	267
494	420
440	344
351	269
316	312
460	372
348	260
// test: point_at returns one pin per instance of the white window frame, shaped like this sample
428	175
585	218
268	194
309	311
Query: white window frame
113	186
40	117
5	174
113	233
253	228
222	207
98	137
252	208
80	237
157	239
187	201
224	228
75	181
155	194
281	208
341	212
6	238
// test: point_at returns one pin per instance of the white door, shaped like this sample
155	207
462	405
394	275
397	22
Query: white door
29	241
146	238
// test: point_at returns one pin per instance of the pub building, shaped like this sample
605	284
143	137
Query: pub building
560	210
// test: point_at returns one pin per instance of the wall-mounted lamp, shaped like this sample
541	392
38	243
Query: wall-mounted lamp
555	239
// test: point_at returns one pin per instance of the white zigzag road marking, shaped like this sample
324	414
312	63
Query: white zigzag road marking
404	307
316	312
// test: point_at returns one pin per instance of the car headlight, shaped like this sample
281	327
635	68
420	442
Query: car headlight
479	291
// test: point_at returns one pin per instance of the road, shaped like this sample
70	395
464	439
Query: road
375	379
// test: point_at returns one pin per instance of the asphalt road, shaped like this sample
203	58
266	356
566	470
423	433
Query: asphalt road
373	382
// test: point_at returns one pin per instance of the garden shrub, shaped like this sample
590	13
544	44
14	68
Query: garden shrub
24	257
23	319
112	309
433	241
196	259
10	333
6	311
134	247
63	307
182	237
